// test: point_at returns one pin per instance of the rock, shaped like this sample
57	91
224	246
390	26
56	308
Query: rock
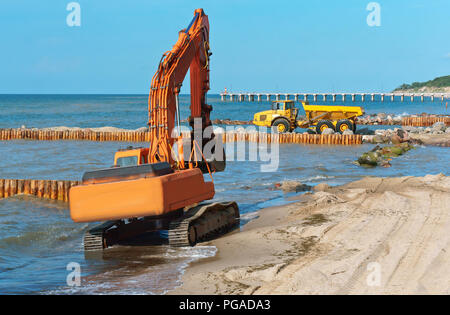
348	132
408	128
406	146
412	129
367	139
382	156
428	130
438	126
395	139
328	131
403	135
396	150
381	116
376	148
378	139
142	129
321	187
368	159
294	186
447	130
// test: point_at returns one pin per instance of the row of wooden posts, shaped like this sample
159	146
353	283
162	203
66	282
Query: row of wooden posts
425	121
48	189
27	134
293	138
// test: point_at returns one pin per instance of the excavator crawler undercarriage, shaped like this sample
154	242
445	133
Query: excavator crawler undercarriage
186	227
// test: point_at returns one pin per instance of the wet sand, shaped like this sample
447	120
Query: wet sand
372	236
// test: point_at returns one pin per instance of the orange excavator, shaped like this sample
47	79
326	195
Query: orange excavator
162	187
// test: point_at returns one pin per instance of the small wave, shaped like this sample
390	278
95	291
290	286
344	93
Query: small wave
317	178
154	279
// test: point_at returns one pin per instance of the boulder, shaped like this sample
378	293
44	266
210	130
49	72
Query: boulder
403	135
348	132
378	139
369	159
438	126
328	131
395	139
294	186
321	187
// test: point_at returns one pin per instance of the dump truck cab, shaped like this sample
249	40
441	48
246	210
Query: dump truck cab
131	157
282	116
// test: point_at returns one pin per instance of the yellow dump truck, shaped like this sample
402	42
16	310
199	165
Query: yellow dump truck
283	117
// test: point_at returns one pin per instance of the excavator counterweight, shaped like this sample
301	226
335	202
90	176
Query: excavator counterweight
154	189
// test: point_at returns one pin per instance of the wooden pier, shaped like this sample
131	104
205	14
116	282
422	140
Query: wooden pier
334	97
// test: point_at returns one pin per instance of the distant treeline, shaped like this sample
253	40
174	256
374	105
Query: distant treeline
439	82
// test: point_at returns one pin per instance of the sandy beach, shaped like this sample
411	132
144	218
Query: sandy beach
372	236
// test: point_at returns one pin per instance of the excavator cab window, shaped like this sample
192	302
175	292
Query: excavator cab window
127	161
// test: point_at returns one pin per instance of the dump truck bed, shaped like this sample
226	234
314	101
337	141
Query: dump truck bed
314	113
340	112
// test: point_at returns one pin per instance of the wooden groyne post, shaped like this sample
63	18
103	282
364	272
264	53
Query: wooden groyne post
425	121
47	189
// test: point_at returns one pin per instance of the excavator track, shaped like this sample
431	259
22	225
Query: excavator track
198	223
202	222
93	240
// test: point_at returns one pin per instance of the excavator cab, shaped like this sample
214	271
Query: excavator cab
131	157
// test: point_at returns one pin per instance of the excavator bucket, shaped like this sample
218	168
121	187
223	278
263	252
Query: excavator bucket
136	191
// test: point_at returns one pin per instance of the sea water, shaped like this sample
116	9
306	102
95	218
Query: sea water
38	239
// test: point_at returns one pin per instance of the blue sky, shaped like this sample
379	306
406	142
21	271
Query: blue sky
276	46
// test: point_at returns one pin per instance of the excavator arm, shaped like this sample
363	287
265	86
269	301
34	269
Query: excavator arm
191	51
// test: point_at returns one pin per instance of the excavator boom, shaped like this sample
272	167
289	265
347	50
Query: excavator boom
191	52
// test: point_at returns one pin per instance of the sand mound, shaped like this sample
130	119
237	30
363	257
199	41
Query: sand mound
373	236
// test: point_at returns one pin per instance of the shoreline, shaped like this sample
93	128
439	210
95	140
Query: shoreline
324	242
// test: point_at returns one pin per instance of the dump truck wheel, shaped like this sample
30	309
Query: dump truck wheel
344	124
322	125
281	125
